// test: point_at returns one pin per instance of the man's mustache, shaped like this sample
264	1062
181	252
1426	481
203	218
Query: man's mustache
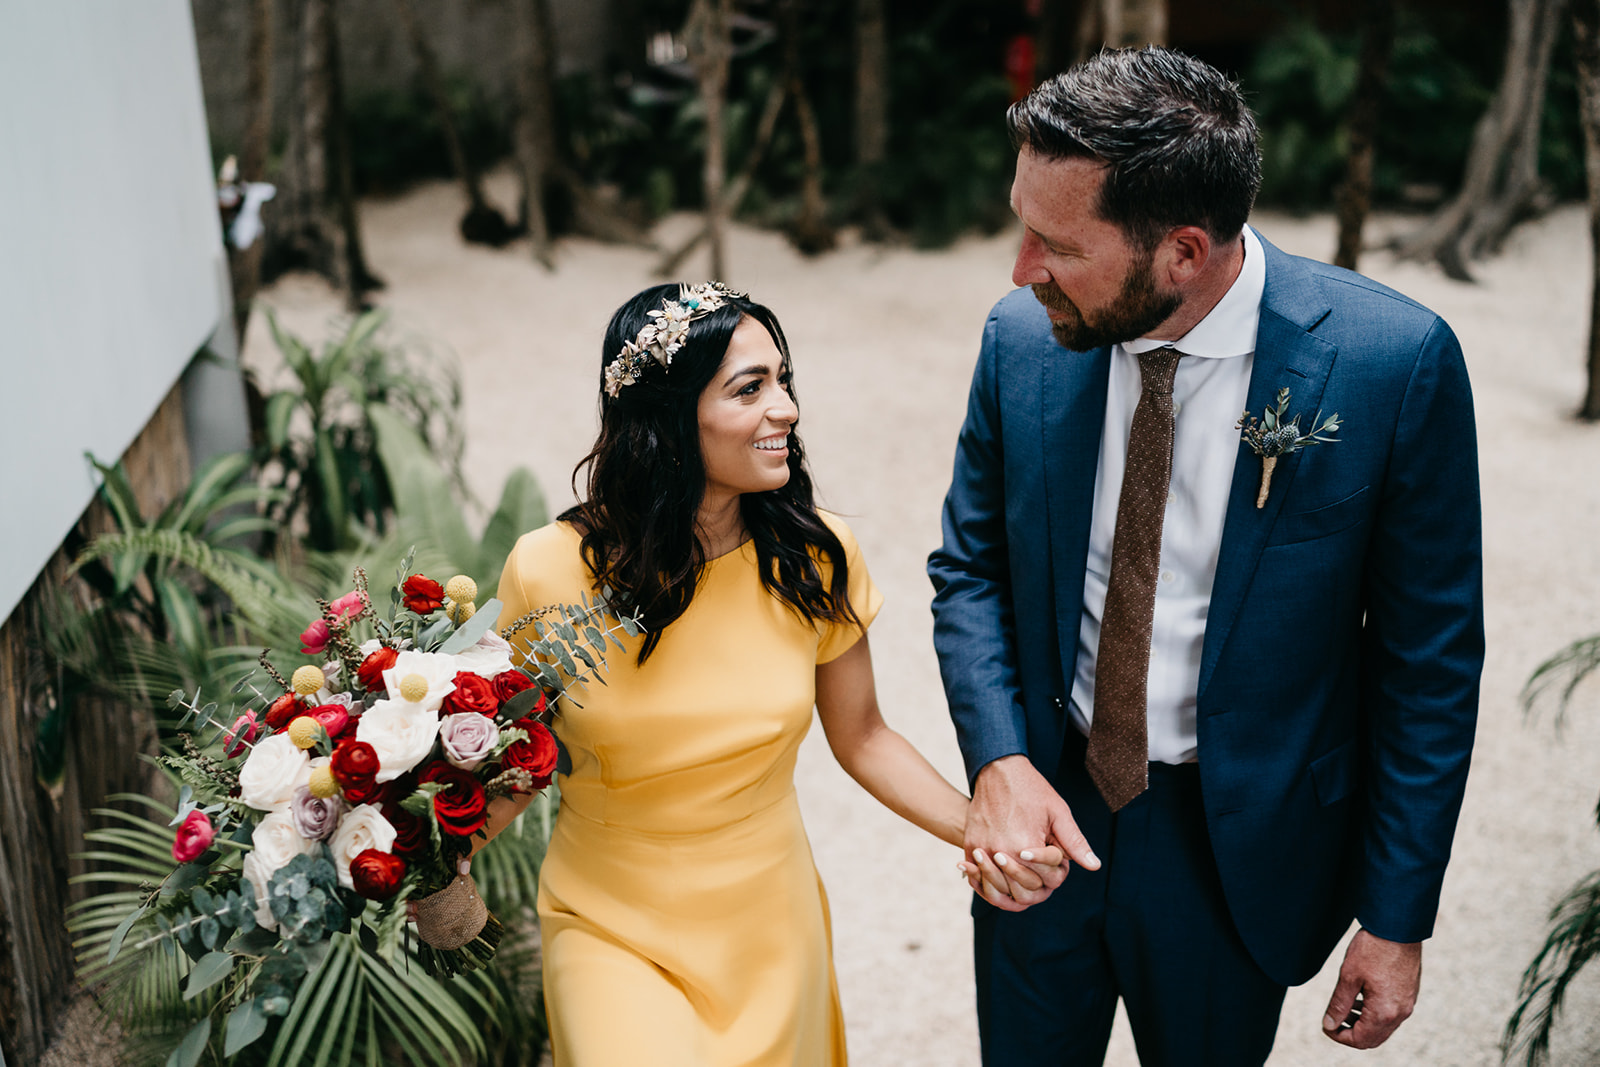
1052	297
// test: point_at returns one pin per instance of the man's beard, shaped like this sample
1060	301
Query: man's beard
1136	311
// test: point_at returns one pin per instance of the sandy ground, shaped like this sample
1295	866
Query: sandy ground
884	342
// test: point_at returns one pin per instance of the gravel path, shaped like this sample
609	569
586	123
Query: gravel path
884	343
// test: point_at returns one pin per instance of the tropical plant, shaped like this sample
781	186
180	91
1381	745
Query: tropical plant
318	431
1574	937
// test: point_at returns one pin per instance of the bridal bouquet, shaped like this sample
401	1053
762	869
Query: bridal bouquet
356	785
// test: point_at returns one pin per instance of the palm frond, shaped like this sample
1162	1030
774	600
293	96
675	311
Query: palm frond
1562	672
1573	941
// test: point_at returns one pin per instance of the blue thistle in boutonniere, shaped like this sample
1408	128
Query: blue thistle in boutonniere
1272	436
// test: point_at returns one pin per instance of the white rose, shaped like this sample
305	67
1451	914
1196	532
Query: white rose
439	671
274	842
489	657
363	828
401	734
258	880
468	738
268	779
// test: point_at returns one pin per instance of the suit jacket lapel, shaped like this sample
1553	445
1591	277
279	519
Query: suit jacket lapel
1286	355
1072	396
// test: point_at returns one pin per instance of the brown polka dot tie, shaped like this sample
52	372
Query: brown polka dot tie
1119	747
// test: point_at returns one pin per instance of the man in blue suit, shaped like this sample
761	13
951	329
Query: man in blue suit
1287	673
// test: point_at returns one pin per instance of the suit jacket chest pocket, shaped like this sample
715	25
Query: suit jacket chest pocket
1324	520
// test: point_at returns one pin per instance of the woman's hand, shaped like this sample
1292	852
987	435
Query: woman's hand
999	877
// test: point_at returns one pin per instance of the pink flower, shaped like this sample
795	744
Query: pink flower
314	638
333	717
349	604
245	729
194	837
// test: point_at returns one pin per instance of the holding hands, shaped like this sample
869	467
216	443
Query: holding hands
1013	810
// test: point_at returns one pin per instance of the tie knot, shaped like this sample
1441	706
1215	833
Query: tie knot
1157	368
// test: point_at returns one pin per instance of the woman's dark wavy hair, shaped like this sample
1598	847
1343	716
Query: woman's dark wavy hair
646	478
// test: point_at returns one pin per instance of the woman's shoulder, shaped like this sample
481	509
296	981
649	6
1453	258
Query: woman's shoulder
841	530
553	552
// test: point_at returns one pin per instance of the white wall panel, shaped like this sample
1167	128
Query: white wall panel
111	260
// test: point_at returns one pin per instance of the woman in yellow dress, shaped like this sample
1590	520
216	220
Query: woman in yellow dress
682	917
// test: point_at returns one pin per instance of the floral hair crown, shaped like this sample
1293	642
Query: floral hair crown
666	332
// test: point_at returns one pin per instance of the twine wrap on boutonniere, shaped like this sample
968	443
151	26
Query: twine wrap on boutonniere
1272	436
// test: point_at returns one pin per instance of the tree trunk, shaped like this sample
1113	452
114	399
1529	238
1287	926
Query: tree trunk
244	267
741	183
1586	38
1501	183
356	280
1355	195
706	34
1144	22
535	136
810	232
482	224
872	116
320	228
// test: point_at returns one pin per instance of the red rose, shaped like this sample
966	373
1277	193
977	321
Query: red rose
423	595
508	684
370	673
472	693
460	807
355	767
537	755
410	831
377	875
284	710
194	837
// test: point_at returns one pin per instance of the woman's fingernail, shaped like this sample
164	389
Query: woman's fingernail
977	854
1027	857
1000	859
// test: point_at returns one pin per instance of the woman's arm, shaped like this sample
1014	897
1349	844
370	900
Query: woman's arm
881	760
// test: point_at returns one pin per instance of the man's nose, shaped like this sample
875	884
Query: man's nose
1029	267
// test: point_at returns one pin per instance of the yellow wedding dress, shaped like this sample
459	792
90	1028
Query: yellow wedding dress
682	916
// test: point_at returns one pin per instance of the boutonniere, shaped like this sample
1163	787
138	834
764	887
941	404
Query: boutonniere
1272	436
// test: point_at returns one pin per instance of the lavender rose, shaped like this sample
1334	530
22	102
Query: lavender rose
315	817
468	739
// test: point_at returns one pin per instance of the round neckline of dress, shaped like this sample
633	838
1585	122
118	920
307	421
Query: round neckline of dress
737	550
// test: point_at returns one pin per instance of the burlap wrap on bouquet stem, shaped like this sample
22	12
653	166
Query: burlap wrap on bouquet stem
453	916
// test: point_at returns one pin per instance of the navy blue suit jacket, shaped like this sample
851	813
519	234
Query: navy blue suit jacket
1339	678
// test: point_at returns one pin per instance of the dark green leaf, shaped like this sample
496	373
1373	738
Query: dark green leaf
212	968
193	1047
246	1023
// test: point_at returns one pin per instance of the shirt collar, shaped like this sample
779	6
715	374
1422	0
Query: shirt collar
1230	327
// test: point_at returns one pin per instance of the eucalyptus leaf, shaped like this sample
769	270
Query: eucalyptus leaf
246	1023
120	934
523	701
193	1047
212	968
467	635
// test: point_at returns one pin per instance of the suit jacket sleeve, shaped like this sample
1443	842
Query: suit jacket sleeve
1422	645
973	629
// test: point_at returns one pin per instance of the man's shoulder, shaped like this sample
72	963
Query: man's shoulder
1332	299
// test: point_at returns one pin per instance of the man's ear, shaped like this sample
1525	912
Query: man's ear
1183	254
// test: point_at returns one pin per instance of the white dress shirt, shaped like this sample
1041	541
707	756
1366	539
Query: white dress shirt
1208	393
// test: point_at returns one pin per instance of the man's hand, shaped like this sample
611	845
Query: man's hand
1377	990
1014	810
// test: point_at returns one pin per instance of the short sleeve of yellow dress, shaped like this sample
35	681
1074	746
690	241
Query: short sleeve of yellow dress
681	914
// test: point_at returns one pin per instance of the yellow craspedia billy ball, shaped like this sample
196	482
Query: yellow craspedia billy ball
459	610
413	687
307	680
461	589
303	731
322	784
